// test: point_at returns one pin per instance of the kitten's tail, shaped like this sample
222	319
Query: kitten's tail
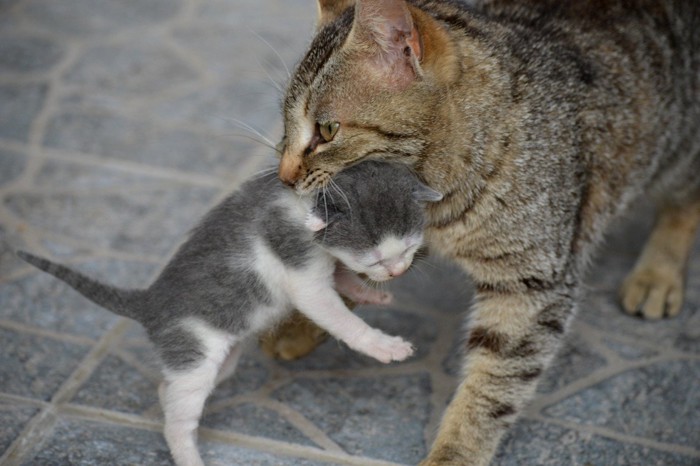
119	301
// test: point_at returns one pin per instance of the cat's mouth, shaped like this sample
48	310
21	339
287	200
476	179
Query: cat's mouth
314	180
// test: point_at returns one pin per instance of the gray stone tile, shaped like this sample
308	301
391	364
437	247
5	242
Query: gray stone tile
91	443
254	420
13	418
436	285
629	351
19	104
35	367
43	301
333	354
602	311
659	402
251	101
576	360
20	54
10	240
59	174
537	443
379	417
12	165
117	386
132	69
148	220
97	18
139	141
240	50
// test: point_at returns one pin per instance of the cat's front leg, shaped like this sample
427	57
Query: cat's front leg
513	336
351	286
325	307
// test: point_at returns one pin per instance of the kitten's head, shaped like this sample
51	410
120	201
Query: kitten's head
370	217
368	88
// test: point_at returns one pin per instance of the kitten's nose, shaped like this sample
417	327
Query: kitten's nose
396	270
291	169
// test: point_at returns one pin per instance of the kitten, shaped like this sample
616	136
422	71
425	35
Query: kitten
260	253
540	121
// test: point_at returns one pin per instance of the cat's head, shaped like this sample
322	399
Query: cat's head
370	217
367	89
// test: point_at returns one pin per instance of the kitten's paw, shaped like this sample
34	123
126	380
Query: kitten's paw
384	348
375	297
653	291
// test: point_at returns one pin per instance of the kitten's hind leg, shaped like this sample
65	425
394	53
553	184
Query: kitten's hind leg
185	391
655	286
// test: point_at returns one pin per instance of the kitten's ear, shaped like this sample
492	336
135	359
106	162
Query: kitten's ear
329	10
314	222
385	28
423	193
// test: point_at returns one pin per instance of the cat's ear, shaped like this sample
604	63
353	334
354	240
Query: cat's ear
423	193
386	30
329	10
314	222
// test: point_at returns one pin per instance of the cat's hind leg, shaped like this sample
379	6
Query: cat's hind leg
185	391
655	286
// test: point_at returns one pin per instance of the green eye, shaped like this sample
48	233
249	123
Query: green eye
328	130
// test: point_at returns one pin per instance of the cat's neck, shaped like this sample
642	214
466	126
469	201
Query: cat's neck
475	121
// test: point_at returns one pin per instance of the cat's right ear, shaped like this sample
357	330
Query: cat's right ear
385	30
329	10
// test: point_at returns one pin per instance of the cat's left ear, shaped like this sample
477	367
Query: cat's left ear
386	29
423	193
314	222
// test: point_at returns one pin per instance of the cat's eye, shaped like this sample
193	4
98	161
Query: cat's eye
328	130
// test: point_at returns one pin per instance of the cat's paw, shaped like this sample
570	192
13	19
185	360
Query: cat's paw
384	348
374	297
653	290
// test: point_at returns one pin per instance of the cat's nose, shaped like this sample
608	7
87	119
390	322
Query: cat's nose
291	169
397	270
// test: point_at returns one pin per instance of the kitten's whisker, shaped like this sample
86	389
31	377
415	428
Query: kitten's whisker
335	186
274	50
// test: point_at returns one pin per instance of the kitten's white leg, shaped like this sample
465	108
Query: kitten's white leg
230	363
185	391
327	310
350	285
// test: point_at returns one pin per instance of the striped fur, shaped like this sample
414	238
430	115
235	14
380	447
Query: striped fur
540	121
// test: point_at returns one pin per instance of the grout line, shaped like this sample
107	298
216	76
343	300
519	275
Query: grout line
18	399
42	332
33	434
230	438
615	435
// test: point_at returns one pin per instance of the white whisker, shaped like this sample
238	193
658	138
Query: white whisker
286	68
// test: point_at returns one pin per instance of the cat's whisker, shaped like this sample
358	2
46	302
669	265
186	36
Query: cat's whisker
251	138
274	83
274	50
245	126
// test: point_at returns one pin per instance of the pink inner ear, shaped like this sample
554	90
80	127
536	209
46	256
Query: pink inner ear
388	24
314	223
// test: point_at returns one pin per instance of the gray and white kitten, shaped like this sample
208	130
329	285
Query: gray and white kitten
256	256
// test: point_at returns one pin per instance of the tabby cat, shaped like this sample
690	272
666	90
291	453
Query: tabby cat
540	121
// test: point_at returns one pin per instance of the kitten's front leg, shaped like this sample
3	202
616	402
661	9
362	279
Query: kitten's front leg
326	309
513	337
351	286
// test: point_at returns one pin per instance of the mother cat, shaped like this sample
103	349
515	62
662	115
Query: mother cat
540	121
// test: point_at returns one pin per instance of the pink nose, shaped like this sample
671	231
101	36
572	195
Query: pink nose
396	270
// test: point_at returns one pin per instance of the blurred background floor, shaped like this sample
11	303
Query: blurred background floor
121	123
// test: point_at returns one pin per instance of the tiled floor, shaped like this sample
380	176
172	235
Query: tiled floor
120	124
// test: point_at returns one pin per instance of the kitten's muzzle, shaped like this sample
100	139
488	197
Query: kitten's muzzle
291	169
